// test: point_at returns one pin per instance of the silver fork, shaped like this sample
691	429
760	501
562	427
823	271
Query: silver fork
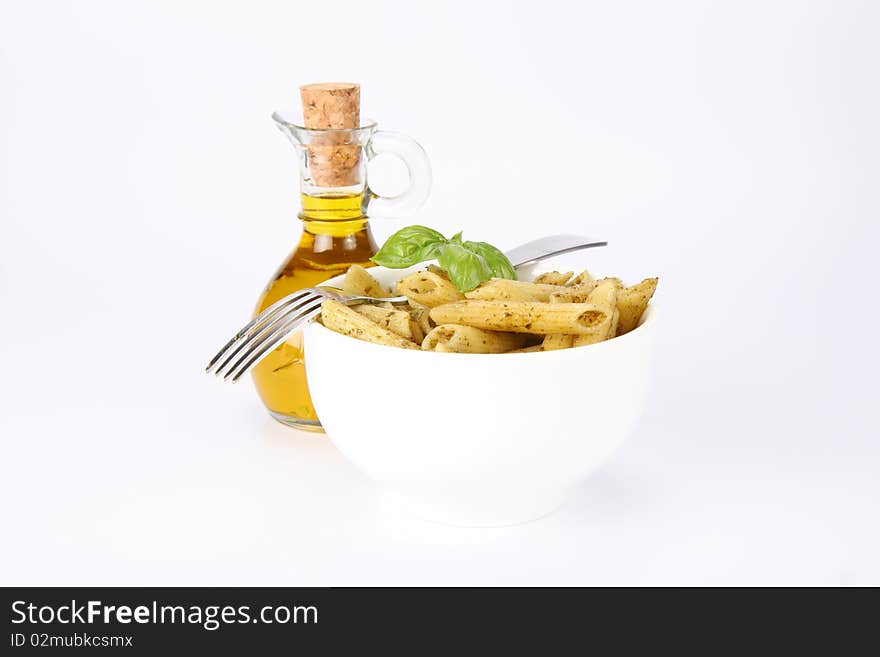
272	326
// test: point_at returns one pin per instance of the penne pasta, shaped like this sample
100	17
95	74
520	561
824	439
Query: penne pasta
603	295
418	335
632	301
615	322
342	319
422	324
428	289
580	293
434	269
583	277
575	294
554	277
396	321
523	317
358	282
499	316
502	289
556	341
470	340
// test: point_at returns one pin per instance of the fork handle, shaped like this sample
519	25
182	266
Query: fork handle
547	247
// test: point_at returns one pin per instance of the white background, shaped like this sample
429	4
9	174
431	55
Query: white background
732	148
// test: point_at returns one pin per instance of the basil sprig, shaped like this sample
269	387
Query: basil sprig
466	263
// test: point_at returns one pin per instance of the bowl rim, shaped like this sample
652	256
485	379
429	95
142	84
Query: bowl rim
647	317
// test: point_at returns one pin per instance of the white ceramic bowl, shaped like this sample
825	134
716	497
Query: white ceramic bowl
477	439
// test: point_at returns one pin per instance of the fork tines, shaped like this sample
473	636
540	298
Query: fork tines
263	333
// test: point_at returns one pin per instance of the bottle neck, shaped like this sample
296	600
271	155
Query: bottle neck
334	215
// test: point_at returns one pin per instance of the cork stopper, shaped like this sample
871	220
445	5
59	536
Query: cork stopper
331	105
334	158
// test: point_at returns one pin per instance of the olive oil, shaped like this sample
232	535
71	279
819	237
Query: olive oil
336	235
333	148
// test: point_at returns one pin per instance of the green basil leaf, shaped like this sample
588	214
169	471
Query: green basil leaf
465	268
430	251
456	239
497	261
409	246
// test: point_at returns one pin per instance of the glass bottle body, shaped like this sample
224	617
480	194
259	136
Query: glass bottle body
335	236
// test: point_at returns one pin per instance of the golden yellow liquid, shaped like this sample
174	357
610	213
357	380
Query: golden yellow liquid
335	236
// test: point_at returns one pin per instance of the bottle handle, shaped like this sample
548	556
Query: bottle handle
418	167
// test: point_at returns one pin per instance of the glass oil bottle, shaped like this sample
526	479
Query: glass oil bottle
336	233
